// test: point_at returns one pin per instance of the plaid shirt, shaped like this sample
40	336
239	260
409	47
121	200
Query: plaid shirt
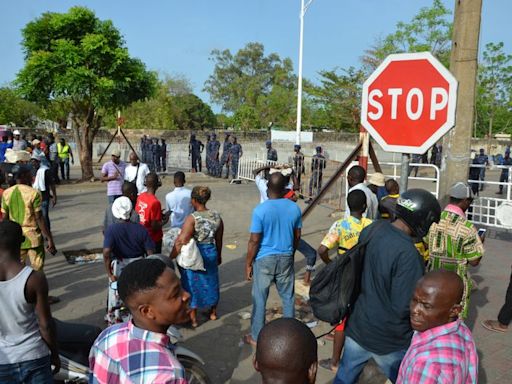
124	353
445	354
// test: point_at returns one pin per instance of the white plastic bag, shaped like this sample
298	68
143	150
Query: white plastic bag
190	257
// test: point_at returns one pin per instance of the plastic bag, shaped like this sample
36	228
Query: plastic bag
190	257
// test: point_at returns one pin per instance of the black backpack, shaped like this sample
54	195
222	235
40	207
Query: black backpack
335	288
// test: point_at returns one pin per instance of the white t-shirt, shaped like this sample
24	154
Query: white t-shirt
261	184
178	203
130	173
371	202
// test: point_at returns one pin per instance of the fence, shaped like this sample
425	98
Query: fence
428	178
247	166
491	210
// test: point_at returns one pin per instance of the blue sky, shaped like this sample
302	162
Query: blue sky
177	36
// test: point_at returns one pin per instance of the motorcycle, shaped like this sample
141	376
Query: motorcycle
75	341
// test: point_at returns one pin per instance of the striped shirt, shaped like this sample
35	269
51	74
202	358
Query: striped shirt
124	353
114	187
444	354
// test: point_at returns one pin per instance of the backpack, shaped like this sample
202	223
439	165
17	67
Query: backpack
335	288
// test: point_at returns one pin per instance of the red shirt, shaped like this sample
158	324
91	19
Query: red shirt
149	209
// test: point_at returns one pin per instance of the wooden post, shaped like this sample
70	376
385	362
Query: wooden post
463	65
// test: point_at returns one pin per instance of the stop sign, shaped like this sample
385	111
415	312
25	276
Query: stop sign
409	102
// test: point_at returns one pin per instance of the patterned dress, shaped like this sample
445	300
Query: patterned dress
203	286
453	243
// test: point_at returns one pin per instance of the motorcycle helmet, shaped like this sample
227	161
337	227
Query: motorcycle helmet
419	209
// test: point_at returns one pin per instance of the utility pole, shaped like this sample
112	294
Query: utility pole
303	8
463	65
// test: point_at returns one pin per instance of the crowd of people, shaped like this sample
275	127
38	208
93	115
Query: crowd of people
408	317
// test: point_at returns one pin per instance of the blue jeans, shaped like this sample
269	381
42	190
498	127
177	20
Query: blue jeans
309	253
64	168
276	269
355	358
38	371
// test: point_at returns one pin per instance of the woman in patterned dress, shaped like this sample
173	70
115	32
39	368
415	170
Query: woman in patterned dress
207	228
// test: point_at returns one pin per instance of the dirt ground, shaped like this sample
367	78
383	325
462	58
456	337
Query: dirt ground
76	224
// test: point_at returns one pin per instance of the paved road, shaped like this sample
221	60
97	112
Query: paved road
76	223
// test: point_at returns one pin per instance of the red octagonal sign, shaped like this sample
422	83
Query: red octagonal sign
409	102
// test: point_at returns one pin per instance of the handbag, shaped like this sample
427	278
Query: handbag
190	257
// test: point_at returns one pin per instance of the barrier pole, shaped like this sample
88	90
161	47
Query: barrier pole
332	180
364	139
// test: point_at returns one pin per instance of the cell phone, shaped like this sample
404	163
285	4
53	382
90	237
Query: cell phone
481	232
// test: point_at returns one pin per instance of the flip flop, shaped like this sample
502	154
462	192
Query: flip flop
493	325
247	339
326	364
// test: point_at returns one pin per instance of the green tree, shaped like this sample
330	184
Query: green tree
76	57
429	30
15	110
190	112
173	106
246	118
264	84
337	100
494	91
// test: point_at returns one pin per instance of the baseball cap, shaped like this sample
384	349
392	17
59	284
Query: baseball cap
116	153
36	141
377	179
16	132
461	190
268	142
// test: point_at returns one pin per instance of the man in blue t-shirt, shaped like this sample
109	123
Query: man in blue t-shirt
275	233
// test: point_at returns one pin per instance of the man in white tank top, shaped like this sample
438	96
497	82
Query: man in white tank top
28	345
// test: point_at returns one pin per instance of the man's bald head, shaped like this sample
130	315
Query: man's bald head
436	300
356	175
276	185
134	159
286	352
152	180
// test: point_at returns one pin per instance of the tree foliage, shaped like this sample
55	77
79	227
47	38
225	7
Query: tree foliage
337	99
16	111
173	106
191	113
78	59
264	85
494	91
429	30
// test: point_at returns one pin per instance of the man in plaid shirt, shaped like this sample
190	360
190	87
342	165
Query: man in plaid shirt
140	351
442	349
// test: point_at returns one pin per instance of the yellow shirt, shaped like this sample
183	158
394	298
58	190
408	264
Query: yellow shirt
344	233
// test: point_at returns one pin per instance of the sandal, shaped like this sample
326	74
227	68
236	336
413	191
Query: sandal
326	364
247	339
494	326
53	300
